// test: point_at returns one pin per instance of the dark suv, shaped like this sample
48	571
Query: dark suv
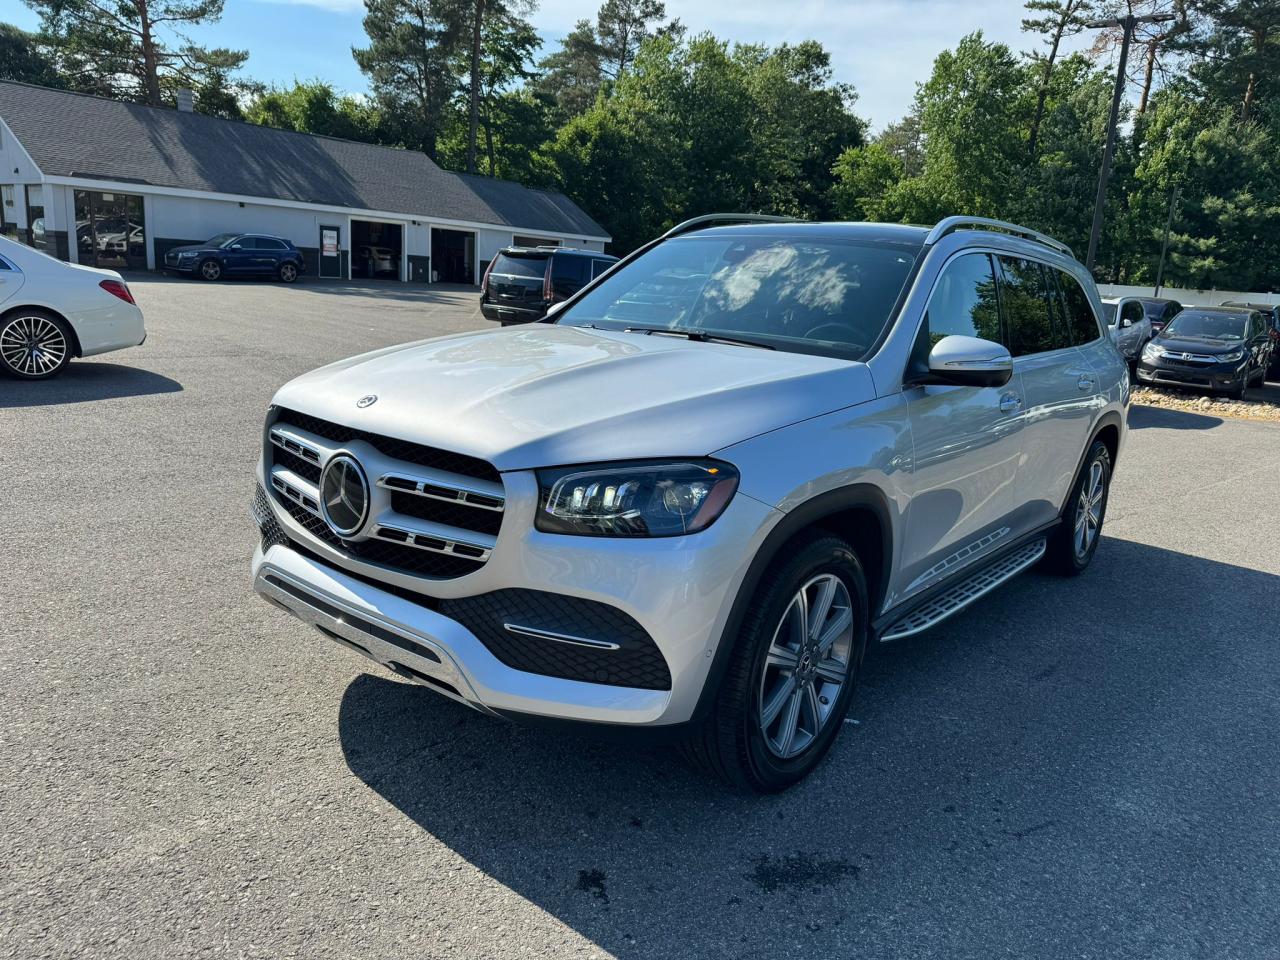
1271	314
238	255
523	282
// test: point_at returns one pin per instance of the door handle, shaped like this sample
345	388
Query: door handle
1010	402
1085	382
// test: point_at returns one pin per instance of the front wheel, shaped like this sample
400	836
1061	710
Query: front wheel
287	272
1073	544
210	270
34	345
791	673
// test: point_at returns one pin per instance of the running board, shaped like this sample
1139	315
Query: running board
966	592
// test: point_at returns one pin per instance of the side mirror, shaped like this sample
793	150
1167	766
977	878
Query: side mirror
554	309
1125	322
235	246
969	362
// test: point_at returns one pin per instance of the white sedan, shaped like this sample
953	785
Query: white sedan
51	311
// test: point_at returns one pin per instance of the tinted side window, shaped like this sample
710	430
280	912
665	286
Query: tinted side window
1028	320
600	266
1133	311
268	243
1081	322
570	271
964	301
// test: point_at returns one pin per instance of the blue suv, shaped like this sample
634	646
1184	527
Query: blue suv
238	255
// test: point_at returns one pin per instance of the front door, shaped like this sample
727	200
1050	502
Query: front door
967	440
330	252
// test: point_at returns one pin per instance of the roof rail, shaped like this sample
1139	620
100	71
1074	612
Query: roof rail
952	224
708	219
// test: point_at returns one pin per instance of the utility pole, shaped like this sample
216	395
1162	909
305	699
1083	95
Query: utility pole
1128	23
1164	247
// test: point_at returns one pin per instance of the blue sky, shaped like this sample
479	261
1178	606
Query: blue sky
882	47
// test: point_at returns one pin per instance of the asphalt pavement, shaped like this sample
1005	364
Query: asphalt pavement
1083	768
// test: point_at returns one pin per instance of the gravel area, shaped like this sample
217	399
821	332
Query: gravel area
1070	768
1260	403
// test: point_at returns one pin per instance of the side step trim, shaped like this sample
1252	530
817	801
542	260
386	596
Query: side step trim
966	592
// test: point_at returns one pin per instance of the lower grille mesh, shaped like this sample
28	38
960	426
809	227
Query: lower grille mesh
637	663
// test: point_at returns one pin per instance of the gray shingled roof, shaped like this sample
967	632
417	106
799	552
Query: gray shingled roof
70	134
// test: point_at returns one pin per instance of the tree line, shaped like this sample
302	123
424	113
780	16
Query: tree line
643	124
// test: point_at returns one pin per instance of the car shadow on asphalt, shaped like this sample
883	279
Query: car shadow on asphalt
83	381
1045	735
1142	417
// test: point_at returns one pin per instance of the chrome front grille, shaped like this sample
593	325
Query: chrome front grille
432	513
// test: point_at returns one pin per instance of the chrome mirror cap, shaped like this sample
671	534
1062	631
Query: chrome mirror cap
970	362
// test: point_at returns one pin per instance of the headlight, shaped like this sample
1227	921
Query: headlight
663	499
1152	352
1233	357
186	255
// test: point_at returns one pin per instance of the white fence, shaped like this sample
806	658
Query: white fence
1189	298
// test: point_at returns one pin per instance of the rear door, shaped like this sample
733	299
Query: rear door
967	441
1058	381
516	281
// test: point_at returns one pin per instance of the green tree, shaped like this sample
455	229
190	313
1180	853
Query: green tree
864	179
570	78
413	45
1058	20
312	106
24	58
621	26
1236	44
135	49
905	141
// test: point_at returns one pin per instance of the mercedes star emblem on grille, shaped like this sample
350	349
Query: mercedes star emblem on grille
344	495
367	401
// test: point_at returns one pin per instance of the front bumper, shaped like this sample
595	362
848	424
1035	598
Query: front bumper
681	594
1218	376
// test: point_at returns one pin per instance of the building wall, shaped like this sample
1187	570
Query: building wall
14	158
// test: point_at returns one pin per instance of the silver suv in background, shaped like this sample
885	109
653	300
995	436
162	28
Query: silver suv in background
690	499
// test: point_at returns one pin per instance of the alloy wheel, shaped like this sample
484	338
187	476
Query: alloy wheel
1089	509
210	270
807	666
33	346
288	272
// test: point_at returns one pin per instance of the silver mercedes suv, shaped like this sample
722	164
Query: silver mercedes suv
688	500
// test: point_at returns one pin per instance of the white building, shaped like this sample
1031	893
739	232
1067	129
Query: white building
117	184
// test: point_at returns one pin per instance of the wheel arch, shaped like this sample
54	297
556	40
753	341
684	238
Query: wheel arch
8	312
859	513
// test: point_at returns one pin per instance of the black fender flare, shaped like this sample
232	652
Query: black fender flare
809	514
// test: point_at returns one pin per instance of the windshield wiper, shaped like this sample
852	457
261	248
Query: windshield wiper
699	336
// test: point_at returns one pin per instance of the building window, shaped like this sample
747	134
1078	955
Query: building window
37	235
110	230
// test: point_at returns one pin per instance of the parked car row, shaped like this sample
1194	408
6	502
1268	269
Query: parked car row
1226	349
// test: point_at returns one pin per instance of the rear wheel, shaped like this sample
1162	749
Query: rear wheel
34	344
791	673
1073	544
287	272
210	270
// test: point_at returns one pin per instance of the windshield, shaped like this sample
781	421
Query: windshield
1211	326
220	239
810	296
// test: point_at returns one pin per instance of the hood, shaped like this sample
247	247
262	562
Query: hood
191	248
1204	345
544	395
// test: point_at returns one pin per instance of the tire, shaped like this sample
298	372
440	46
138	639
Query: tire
287	272
34	344
1065	554
210	270
737	742
1237	393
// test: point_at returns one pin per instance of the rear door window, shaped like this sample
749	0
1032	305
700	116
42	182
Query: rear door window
1027	306
1082	325
600	266
569	274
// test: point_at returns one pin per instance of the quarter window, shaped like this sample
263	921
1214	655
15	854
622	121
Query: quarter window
1081	322
1028	318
